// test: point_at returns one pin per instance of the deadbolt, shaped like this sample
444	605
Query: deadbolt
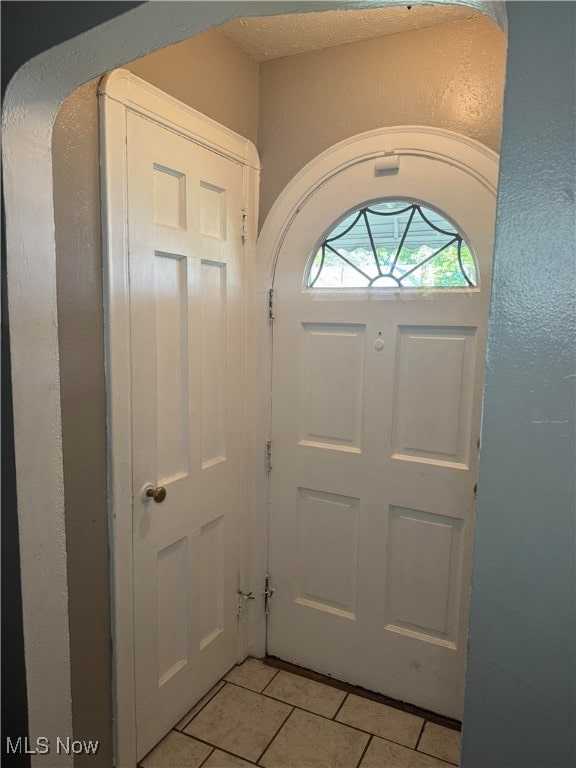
158	494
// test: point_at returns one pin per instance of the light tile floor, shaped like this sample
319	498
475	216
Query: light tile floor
259	715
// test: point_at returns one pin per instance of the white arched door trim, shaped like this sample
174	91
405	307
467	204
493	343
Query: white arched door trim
442	145
32	100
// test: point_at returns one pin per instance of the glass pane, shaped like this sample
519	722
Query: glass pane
393	244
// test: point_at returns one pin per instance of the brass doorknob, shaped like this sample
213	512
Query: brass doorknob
158	494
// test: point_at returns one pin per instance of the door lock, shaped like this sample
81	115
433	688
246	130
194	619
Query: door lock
158	493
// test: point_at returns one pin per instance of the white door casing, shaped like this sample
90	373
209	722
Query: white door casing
375	450
178	192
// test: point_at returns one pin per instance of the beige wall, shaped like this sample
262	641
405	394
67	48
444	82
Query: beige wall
210	74
450	76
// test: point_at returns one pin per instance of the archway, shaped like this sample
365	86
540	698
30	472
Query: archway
31	104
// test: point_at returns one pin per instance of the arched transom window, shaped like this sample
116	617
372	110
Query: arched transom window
392	244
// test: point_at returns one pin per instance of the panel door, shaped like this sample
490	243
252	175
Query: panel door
376	413
185	246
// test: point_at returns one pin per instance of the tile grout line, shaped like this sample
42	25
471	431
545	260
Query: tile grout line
245	688
339	708
443	759
273	737
198	738
214	747
296	706
274	676
420	734
364	751
181	730
421	751
369	733
206	758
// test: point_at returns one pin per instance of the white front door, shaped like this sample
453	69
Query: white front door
185	247
376	405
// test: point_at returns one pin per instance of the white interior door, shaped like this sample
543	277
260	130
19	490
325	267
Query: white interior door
185	246
376	412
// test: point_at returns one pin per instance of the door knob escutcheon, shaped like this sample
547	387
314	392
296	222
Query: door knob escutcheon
158	494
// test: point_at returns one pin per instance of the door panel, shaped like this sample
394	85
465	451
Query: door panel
185	247
327	543
173	564
431	411
214	389
425	553
172	364
331	385
375	418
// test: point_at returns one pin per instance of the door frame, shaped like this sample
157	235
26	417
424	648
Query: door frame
382	143
121	92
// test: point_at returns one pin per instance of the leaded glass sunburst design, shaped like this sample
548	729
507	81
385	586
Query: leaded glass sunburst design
393	244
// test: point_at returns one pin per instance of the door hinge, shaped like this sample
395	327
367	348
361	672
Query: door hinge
271	305
268	592
241	598
269	456
244	224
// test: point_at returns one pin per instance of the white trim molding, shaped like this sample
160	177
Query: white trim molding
381	143
120	93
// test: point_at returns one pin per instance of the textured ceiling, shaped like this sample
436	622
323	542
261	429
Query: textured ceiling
272	37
